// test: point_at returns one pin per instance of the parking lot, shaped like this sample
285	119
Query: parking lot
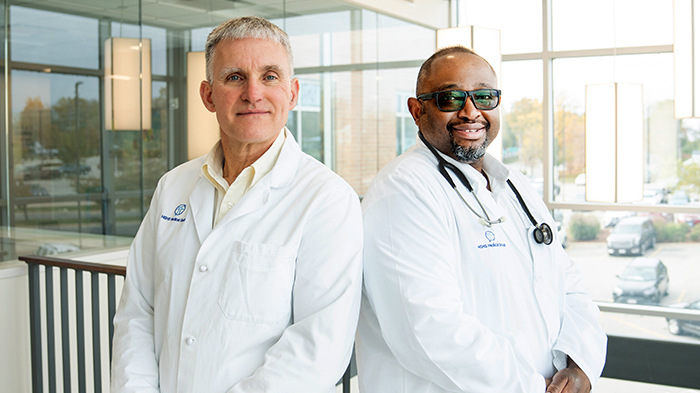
600	271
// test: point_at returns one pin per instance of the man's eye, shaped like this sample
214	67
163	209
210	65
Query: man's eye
234	78
270	77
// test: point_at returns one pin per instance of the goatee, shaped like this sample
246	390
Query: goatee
468	155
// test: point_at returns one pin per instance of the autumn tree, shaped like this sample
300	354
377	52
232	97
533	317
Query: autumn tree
569	138
75	136
522	128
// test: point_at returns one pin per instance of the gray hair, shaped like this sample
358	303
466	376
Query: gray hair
246	27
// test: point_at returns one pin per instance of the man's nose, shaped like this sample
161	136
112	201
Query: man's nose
252	90
469	111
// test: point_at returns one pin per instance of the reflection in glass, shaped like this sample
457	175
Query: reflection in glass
56	128
53	38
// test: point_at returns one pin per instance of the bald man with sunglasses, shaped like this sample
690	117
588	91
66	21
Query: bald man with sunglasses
466	287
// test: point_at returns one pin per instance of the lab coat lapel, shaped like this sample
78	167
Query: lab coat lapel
281	174
510	227
202	203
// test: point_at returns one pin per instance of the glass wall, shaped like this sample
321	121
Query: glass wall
544	136
70	163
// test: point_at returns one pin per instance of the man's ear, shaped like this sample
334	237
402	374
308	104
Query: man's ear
205	93
416	108
295	93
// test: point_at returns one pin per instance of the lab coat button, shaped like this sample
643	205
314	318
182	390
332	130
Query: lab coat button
203	268
189	340
229	205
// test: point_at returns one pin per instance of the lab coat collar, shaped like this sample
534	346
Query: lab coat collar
282	174
498	175
493	168
202	200
287	163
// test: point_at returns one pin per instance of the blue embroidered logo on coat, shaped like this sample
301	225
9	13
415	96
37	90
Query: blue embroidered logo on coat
491	237
178	211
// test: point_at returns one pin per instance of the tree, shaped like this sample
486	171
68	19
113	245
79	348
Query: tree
85	141
689	177
569	139
522	127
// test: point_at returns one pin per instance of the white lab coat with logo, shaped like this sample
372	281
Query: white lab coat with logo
266	301
450	305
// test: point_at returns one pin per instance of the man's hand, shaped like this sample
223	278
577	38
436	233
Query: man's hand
569	380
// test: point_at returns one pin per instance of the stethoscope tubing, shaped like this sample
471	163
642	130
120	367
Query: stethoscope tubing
542	232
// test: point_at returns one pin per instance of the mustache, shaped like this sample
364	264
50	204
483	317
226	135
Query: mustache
452	125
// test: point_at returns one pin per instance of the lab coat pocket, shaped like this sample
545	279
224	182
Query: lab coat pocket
257	286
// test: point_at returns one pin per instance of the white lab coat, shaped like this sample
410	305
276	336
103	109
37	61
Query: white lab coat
266	301
450	305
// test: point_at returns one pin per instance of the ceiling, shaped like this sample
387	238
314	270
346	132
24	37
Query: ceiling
186	14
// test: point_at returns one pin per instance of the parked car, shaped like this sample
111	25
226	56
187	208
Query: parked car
611	217
679	197
632	235
72	169
55	248
644	280
47	170
684	326
38	190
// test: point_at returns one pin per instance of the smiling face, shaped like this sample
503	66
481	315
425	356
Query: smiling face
464	134
251	91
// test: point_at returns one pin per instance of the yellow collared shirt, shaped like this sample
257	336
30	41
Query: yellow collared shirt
227	196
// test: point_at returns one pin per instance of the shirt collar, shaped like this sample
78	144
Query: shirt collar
213	167
495	169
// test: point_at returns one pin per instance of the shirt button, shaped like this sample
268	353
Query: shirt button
203	268
229	205
189	340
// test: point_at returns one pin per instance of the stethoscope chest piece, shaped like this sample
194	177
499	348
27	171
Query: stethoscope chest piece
543	234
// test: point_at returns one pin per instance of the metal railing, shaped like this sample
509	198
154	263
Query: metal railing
660	362
35	266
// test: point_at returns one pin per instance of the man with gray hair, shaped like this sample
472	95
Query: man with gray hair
245	275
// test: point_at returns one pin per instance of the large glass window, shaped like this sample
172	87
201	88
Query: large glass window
520	26
661	131
54	38
521	125
608	24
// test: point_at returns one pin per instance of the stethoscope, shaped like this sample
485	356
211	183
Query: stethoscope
542	232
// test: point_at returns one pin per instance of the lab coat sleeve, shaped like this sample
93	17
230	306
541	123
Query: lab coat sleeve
581	337
313	352
410	273
134	363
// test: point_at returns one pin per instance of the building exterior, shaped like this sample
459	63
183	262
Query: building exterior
75	174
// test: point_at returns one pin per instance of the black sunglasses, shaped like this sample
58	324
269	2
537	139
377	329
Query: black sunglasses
454	100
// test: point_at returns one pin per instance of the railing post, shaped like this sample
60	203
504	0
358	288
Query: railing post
80	329
50	331
35	327
96	343
65	333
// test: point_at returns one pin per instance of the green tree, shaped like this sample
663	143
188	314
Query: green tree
569	139
69	140
689	177
522	127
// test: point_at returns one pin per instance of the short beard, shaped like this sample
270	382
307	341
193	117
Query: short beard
469	155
